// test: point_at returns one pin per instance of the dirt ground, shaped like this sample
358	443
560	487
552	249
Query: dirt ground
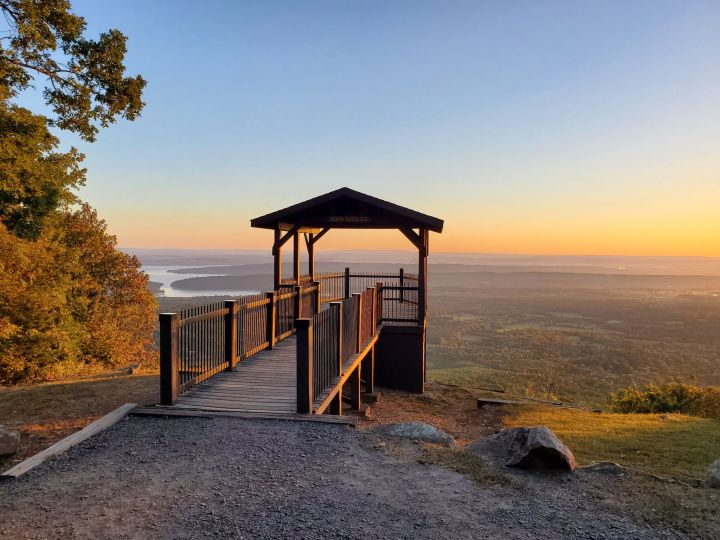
46	413
452	409
161	471
230	478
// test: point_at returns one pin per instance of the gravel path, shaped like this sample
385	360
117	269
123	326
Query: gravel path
223	477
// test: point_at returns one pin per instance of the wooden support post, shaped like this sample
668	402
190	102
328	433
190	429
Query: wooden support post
367	373
318	297
402	284
231	318
305	391
358	343
422	277
339	333
298	303
271	316
379	302
169	364
335	406
296	258
347	283
354	382
311	256
277	261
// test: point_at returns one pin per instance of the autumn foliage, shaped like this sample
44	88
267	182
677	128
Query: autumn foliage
70	302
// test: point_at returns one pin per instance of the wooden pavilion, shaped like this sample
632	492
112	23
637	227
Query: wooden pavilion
339	331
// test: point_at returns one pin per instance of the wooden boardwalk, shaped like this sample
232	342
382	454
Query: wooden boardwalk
264	383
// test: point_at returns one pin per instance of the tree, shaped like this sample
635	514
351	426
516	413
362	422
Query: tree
84	83
86	79
69	299
35	179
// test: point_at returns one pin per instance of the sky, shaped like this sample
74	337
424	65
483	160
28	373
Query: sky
535	127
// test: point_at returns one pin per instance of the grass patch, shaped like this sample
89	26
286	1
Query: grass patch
45	413
674	396
665	444
464	463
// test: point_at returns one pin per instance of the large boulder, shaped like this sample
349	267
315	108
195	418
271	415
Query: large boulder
714	476
417	431
535	448
9	441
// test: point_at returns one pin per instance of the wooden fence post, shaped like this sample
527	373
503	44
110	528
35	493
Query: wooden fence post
402	284
298	302
379	301
347	283
358	342
374	311
231	318
318	297
271	316
338	307
354	382
304	355
169	365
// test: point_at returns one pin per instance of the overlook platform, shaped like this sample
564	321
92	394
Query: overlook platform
310	344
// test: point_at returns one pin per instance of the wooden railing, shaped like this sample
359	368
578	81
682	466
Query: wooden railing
198	343
398	293
331	346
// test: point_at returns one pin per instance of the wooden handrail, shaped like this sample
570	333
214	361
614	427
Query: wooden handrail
200	342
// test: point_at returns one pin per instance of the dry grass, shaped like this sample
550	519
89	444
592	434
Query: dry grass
451	409
46	413
665	444
464	463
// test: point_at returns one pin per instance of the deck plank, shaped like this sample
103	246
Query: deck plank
263	383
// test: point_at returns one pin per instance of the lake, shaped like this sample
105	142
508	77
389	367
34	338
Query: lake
164	275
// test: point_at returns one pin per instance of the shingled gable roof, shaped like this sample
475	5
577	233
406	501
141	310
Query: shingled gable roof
346	208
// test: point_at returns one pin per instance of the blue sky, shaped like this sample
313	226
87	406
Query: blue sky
547	127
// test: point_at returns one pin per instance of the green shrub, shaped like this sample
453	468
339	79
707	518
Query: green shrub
672	397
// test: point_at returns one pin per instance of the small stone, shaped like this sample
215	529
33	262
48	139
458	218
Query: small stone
714	475
9	441
417	431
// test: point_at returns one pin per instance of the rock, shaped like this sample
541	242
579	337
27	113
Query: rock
713	480
9	441
417	431
531	448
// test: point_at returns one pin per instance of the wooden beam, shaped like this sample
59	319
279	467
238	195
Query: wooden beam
319	235
287	226
280	242
325	418
415	238
68	442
